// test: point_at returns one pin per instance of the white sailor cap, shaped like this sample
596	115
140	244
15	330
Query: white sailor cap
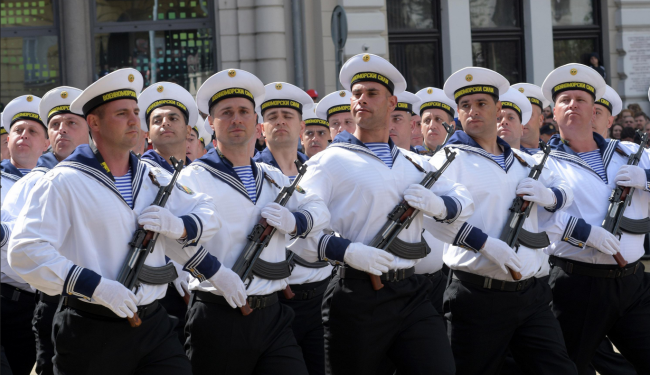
310	117
573	77
407	101
204	135
57	101
434	98
229	83
336	102
475	80
22	108
284	95
120	84
611	100
2	125
162	94
368	67
208	131
519	103
533	93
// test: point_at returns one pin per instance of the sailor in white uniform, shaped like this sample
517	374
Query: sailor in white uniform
219	337
61	244
362	177
607	107
435	108
487	310
530	137
335	109
589	288
4	150
197	141
316	136
515	113
401	125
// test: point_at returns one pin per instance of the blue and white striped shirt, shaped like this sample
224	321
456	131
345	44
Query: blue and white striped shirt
382	150
595	161
24	171
245	174
124	186
500	160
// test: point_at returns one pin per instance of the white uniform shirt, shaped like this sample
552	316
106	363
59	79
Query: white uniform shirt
9	175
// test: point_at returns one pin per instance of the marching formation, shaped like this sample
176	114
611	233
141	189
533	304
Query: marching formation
478	250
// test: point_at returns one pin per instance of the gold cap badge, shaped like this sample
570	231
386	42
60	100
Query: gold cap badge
469	78
278	86
64	94
366	57
232	73
342	93
30	98
160	88
521	90
573	71
429	90
131	78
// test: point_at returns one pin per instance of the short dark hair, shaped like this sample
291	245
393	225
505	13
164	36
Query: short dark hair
628	133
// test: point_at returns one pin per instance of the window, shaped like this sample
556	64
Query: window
414	41
497	37
30	48
576	31
169	41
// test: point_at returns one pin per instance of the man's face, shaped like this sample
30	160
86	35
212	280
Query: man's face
400	128
574	110
4	146
416	134
545	137
432	130
119	124
194	148
27	141
167	127
315	139
67	131
639	122
602	120
509	126
535	122
628	122
141	143
341	122
371	105
646	128
282	127
234	121
478	115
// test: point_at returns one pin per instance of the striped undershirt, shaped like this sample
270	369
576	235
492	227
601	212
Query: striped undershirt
124	186
382	150
24	171
595	161
245	174
500	160
533	150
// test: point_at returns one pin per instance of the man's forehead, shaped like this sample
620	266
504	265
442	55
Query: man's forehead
431	112
233	103
165	110
573	93
341	117
121	104
280	110
368	86
476	98
66	116
23	123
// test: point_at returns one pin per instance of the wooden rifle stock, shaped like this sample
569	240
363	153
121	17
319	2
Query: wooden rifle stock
135	321
376	282
246	309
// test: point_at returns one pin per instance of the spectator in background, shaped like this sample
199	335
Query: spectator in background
640	120
594	62
646	129
548	112
634	108
627	134
624	113
615	131
547	131
628	122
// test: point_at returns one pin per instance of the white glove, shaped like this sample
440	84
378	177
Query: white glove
368	259
603	241
279	217
632	176
229	283
181	283
161	220
501	254
115	296
535	191
425	200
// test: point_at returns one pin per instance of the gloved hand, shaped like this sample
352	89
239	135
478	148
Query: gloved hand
115	296
368	259
182	281
279	217
535	191
501	254
603	241
161	220
632	176
425	200
229	283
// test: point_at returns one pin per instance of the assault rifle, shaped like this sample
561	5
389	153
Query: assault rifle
621	197
144	241
513	232
403	214
450	130
260	237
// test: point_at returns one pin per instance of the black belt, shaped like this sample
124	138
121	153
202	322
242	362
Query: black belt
16	294
391	276
48	298
255	302
494	284
308	290
594	270
433	275
143	311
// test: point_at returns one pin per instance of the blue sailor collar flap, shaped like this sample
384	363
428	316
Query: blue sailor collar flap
154	159
222	169
350	142
607	148
461	140
83	160
46	162
10	171
265	156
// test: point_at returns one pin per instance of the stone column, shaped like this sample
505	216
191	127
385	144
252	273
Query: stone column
538	40
77	43
456	36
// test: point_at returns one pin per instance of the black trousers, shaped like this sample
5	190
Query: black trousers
590	308
307	326
177	309
220	340
42	327
86	343
607	362
17	309
375	332
439	283
484	323
5	369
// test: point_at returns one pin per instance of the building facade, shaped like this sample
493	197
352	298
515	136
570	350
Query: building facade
46	43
